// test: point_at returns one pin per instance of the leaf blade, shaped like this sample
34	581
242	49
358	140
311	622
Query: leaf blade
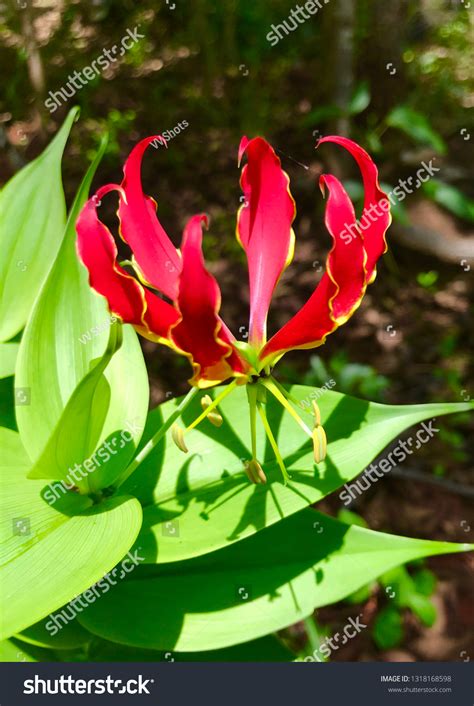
32	234
254	587
65	335
53	552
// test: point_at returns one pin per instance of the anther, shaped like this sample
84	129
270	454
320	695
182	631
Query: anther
319	443
255	472
214	417
177	434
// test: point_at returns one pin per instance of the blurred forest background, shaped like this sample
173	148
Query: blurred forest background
395	76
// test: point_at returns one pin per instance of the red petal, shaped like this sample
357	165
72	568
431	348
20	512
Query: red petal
346	262
155	254
125	296
264	227
341	289
199	333
375	220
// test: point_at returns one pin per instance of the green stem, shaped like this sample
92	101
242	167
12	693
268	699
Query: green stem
252	398
150	445
273	443
314	638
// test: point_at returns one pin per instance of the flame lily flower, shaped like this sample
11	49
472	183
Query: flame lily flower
171	298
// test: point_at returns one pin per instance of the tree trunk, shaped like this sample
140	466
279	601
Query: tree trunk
344	61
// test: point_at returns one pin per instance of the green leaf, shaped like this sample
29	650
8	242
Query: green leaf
32	219
16	651
13	453
351	518
265	649
399	586
450	198
416	126
423	608
71	636
51	553
75	438
355	189
425	582
7	403
254	587
206	494
362	595
321	114
8	354
410	592
360	99
387	630
373	142
427	279
63	341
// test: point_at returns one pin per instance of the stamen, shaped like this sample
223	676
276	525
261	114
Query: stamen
319	436
273	443
296	402
291	398
214	417
227	390
255	472
319	444
270	385
177	434
253	468
317	414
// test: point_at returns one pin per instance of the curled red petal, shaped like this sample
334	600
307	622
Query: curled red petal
125	296
264	227
346	265
199	333
376	216
341	288
156	256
